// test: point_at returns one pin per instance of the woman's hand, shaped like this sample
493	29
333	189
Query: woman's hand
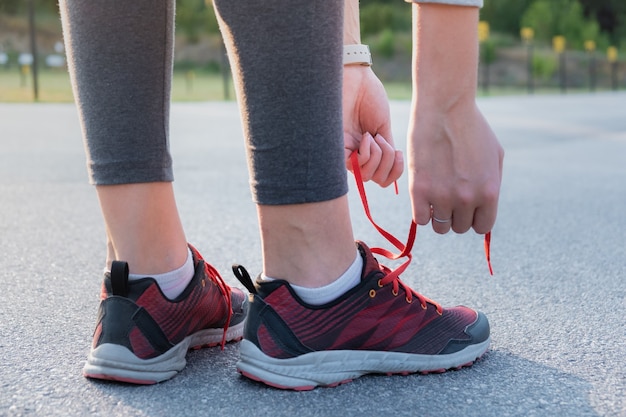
367	126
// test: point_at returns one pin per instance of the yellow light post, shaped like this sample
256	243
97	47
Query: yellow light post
590	47
226	73
558	44
33	48
483	37
611	54
527	34
483	31
190	76
24	73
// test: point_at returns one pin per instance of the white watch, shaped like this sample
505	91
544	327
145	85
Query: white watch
357	55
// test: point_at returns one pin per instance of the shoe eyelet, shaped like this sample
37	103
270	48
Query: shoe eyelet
408	301
440	312
424	306
395	293
372	293
380	284
203	283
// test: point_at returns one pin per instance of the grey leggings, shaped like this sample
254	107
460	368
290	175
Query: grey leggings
286	61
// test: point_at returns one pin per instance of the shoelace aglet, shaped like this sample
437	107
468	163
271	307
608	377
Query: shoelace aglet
488	252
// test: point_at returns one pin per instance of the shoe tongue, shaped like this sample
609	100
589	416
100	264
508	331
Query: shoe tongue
370	264
119	278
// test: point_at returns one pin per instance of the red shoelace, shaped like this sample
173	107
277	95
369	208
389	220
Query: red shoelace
393	276
225	290
215	276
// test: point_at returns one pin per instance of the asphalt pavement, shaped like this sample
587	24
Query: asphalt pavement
556	303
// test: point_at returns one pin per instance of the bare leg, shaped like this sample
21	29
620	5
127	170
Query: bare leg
143	227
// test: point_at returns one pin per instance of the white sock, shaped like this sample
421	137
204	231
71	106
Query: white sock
174	282
332	291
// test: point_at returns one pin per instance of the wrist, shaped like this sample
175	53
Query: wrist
443	100
357	54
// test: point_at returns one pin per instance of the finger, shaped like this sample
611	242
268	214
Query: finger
421	206
388	156
386	133
398	167
347	153
463	211
484	219
485	215
462	219
363	151
441	220
375	154
350	145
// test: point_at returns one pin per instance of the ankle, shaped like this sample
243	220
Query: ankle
310	245
143	226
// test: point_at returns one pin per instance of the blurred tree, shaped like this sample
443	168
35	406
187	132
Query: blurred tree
544	67
549	18
504	15
539	17
378	16
195	17
386	44
9	6
13	7
573	24
608	13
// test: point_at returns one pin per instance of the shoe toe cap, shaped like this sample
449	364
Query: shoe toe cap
478	332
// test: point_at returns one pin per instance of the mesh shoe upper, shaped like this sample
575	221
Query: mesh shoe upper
374	316
136	314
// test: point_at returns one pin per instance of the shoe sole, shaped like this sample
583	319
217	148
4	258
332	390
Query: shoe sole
117	363
335	367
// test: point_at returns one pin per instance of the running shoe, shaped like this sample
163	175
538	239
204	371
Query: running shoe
379	327
142	337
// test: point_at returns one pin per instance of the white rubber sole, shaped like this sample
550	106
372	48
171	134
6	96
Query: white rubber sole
117	363
334	367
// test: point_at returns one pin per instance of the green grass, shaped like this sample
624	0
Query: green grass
17	87
54	86
200	86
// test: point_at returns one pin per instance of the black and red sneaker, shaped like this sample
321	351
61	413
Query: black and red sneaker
142	337
380	326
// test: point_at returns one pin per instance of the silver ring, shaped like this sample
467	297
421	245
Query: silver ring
441	220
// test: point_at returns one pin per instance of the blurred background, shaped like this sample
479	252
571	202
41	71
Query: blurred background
527	46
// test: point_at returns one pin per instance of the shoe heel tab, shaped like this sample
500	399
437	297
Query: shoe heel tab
119	278
244	277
